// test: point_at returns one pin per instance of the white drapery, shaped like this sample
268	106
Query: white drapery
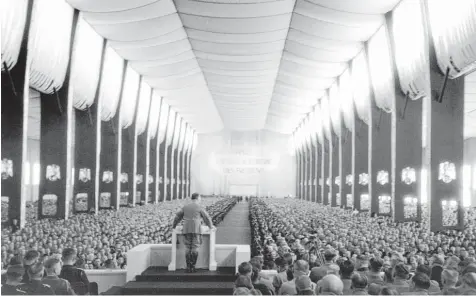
335	109
170	127
195	140
111	83
164	118
453	27
183	130
49	44
178	127
154	115
12	18
130	94
319	124
381	70
361	87
326	117
85	64
143	108
346	100
410	51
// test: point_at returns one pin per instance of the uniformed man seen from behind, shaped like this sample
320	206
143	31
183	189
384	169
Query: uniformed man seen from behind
14	276
75	276
53	270
192	214
35	286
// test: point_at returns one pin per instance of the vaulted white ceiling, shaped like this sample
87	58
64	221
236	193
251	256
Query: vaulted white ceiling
240	64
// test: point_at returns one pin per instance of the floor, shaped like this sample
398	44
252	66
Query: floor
235	228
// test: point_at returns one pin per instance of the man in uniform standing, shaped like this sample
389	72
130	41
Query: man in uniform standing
192	214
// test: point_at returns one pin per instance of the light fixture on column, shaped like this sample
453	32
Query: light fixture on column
107	177
447	172
382	177
408	175
124	178
349	180
7	168
337	181
84	175
53	172
364	179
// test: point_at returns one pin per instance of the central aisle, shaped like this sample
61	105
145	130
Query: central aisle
235	228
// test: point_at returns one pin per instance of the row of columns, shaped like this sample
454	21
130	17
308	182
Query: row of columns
376	167
90	163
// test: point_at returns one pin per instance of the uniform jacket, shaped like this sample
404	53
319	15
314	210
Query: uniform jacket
77	278
60	286
11	290
35	287
192	215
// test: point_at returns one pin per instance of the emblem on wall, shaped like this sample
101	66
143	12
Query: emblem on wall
349	200
447	172
161	180
139	179
410	207
408	175
349	180
449	212
105	200
107	177
7	168
382	177
53	172
364	202
150	179
364	179
84	175
338	199
384	204
124	178
337	181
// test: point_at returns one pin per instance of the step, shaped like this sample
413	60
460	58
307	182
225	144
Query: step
154	274
114	290
178	288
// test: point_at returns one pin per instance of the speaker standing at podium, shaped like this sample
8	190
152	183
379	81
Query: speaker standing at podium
192	215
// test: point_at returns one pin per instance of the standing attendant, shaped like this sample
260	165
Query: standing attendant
192	215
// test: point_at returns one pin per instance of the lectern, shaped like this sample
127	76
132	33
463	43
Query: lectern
206	254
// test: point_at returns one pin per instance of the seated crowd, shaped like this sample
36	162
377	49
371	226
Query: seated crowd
320	250
100	241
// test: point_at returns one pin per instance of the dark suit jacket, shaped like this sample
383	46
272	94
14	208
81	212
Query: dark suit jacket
192	215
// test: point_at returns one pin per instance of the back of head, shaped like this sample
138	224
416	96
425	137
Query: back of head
421	281
243	282
242	291
15	272
52	265
449	277
195	196
347	268
69	254
36	271
374	289
255	274
359	281
388	291
329	255
331	283
302	267
31	257
16	260
401	271
256	262
376	264
245	268
469	279
255	292
288	258
303	282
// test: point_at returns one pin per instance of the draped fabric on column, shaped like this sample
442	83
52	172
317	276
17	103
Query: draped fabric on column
111	89
412	83
180	165
175	144
361	95
129	107
168	153
336	138
348	116
88	54
187	147
314	162
382	78
14	14
326	142
297	156
453	28
52	29
163	127
194	146
307	158
152	128
141	138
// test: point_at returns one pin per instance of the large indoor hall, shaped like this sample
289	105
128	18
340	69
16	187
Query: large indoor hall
238	147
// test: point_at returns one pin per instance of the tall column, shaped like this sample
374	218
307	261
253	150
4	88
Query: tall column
141	152
168	157
15	111
361	162
445	142
406	148
347	177
56	147
154	156
305	172
87	161
189	177
127	165
336	167
319	180
312	177
298	173
326	182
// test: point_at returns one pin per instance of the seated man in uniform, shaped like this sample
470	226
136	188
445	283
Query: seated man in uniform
192	214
